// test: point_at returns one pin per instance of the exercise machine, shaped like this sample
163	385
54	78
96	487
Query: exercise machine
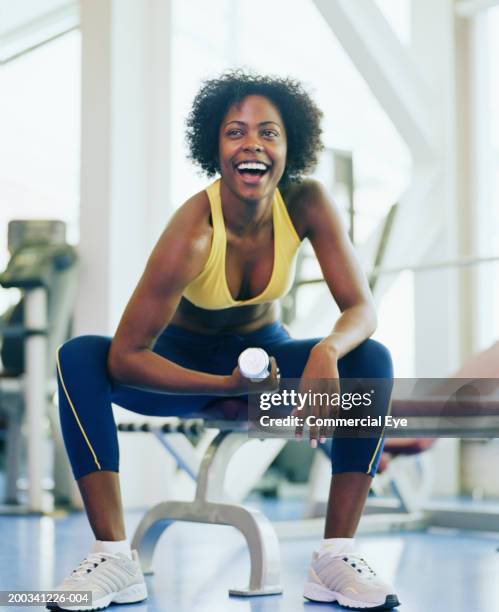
44	268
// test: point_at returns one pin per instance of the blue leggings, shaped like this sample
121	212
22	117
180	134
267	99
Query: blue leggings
86	390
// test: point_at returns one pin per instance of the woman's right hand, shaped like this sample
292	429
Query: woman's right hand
240	385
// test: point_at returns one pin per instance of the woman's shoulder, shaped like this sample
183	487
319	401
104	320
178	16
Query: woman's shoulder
302	199
304	192
195	211
191	220
188	233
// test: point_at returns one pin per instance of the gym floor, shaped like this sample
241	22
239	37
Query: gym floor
195	565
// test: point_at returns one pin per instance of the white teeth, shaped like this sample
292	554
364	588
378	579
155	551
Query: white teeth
252	166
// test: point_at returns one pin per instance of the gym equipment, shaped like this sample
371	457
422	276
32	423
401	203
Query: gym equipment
217	498
44	268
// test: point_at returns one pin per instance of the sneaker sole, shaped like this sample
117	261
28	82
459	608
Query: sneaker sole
132	594
316	592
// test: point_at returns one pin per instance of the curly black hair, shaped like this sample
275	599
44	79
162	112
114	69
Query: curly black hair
299	112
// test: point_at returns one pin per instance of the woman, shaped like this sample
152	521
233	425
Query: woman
209	290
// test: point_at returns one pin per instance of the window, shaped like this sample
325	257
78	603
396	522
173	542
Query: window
40	144
493	104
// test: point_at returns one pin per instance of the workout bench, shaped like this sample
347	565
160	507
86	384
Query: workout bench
212	504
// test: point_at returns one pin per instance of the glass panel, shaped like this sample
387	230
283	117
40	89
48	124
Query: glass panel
32	22
493	105
396	324
398	15
40	144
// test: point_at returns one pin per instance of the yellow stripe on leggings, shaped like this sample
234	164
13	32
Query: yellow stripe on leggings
379	441
74	411
374	455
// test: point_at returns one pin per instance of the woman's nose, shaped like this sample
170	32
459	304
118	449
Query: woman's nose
253	146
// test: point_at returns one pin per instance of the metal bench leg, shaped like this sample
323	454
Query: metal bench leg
258	531
263	547
14	441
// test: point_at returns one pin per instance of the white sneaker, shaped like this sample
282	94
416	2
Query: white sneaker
347	579
112	578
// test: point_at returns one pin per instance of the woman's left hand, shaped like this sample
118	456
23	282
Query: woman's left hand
319	376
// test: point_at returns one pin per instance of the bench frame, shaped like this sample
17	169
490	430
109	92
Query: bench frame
211	505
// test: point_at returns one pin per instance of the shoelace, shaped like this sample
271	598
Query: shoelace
359	564
88	564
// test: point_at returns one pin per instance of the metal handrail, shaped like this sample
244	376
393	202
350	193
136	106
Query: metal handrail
461	262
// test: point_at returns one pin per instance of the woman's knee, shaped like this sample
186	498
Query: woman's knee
84	349
371	359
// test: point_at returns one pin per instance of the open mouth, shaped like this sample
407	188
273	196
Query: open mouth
252	170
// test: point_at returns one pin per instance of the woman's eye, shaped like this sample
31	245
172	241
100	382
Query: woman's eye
270	133
234	132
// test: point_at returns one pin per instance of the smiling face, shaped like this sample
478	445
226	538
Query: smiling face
252	148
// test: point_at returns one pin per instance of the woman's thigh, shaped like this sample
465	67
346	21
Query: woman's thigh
291	354
370	359
87	387
198	352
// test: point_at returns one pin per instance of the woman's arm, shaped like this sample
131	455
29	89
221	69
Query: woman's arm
177	258
341	269
348	285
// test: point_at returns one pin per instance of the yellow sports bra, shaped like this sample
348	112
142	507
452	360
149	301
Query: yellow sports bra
210	290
